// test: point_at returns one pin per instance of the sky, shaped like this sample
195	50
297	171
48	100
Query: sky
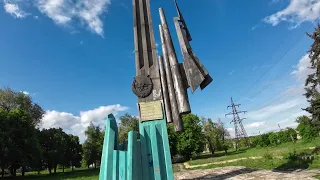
75	58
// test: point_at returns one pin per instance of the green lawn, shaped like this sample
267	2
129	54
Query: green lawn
254	152
268	162
317	177
79	174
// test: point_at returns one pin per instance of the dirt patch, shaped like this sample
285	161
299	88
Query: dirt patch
243	173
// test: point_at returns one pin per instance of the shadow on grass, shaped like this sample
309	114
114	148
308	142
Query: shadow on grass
83	173
294	165
295	162
219	154
225	175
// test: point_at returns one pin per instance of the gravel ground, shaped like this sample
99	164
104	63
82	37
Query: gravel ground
243	173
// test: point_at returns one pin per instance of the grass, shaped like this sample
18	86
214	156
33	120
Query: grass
79	174
269	161
286	157
271	164
254	152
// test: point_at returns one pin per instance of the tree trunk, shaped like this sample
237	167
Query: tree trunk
11	170
63	168
71	166
55	169
14	172
49	168
2	173
95	165
38	171
88	166
23	170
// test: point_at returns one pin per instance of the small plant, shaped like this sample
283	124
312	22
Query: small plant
267	155
293	155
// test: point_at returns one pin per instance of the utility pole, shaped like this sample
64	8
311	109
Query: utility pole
240	132
279	127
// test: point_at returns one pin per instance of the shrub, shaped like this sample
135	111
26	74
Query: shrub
267	155
273	138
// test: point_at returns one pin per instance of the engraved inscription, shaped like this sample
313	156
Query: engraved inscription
150	110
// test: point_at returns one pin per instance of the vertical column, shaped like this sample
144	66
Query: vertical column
145	50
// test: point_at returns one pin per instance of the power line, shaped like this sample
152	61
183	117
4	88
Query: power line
276	95
274	80
250	88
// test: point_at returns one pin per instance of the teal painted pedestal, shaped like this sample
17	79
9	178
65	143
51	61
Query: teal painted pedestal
147	158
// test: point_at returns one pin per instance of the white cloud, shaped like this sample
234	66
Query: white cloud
77	124
274	1
255	27
296	12
284	108
303	68
89	11
255	124
25	92
65	12
231	131
60	11
14	9
273	110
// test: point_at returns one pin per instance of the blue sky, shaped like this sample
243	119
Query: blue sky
76	58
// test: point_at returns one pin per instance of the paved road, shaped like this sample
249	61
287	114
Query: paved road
243	173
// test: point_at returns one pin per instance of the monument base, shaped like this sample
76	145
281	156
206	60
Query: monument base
147	158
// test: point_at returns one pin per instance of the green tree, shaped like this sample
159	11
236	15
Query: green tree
92	147
127	124
273	138
75	150
306	128
18	136
3	140
313	80
22	143
191	140
53	142
215	135
263	140
172	136
10	100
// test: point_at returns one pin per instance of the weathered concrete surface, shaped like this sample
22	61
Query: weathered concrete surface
188	166
243	173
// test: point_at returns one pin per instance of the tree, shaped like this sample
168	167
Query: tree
172	136
313	80
19	142
306	128
292	133
127	124
53	142
273	138
215	135
92	147
3	140
74	151
263	140
22	140
10	100
191	140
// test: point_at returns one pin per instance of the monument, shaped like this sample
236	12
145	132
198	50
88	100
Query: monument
160	84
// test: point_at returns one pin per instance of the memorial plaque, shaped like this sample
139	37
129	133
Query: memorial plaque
150	110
